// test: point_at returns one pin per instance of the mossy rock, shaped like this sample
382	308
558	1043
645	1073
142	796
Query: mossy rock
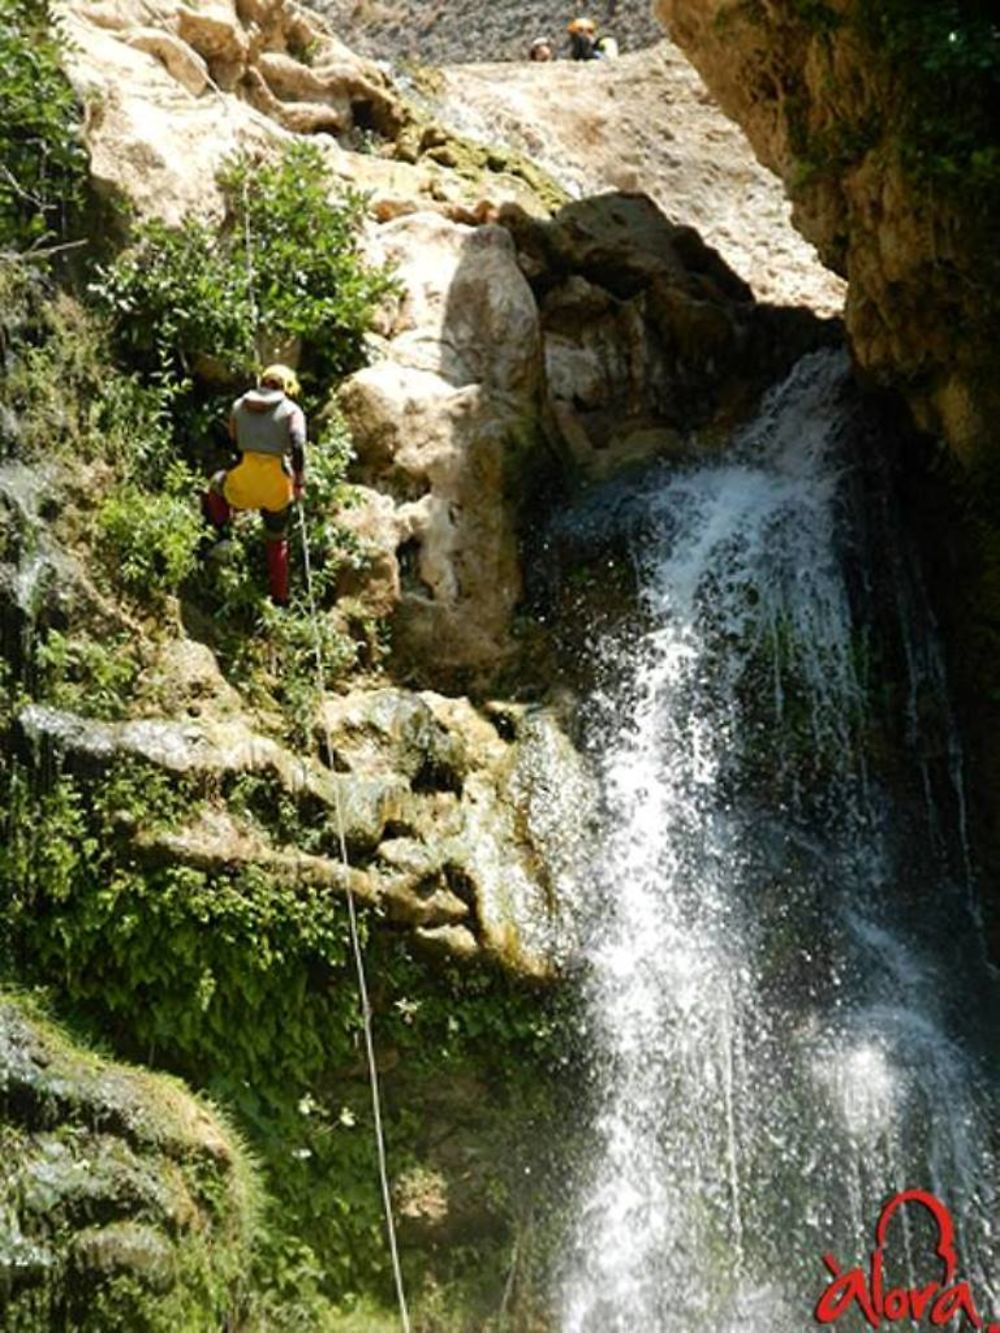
126	1203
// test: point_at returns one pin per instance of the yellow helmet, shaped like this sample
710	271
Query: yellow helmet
280	377
582	25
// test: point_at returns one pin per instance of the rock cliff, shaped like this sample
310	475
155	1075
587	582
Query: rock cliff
176	869
826	93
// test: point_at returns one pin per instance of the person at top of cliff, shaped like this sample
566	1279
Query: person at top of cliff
540	49
582	39
269	430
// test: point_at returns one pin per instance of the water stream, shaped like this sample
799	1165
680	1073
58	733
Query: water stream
784	983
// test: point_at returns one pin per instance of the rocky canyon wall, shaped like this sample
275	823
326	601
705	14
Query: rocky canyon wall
826	93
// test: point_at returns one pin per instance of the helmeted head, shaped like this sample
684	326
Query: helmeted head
540	49
279	379
582	26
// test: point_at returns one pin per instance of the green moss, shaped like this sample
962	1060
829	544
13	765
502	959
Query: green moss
126	1204
244	984
423	138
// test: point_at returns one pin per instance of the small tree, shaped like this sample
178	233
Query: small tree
43	164
285	264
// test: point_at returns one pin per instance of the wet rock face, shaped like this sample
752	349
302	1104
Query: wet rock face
523	356
118	1191
467	829
823	108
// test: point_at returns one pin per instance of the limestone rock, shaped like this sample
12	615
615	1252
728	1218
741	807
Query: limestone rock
299	117
647	333
216	33
646	122
155	137
470	840
440	425
467	314
500	828
180	59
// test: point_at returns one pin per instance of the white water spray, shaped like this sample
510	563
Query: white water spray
772	1059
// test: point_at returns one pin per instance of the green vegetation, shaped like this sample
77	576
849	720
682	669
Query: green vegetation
150	538
946	55
42	163
284	266
120	1176
237	978
124	391
243	983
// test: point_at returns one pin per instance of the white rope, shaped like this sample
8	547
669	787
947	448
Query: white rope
248	241
359	965
366	1012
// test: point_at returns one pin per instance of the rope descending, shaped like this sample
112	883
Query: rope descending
366	1012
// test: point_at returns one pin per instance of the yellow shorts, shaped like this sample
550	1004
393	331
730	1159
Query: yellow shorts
258	481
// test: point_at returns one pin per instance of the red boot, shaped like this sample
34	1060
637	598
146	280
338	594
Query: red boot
216	509
277	570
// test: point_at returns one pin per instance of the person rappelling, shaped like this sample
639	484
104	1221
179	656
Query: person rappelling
269	430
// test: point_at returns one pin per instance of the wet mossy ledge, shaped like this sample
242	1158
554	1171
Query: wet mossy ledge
240	979
127	1203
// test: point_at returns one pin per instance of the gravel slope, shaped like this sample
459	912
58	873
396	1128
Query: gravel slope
445	32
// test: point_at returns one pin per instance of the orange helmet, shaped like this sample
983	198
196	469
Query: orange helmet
587	26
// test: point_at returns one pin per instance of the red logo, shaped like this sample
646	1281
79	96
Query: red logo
939	1301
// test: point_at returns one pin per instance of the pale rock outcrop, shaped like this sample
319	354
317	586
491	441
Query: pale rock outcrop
171	90
516	351
468	828
219	37
440	422
646	122
181	62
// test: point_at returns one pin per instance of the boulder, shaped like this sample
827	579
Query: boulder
443	424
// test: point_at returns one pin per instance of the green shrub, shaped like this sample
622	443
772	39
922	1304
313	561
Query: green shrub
42	162
286	264
65	393
946	57
85	675
149	539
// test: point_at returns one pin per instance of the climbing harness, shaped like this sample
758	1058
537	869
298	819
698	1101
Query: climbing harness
366	1011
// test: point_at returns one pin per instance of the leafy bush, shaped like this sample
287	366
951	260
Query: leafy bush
42	162
63	392
150	539
285	265
87	676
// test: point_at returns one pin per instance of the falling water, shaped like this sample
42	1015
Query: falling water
778	1040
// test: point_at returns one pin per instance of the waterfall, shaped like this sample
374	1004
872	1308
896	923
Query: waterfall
780	961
